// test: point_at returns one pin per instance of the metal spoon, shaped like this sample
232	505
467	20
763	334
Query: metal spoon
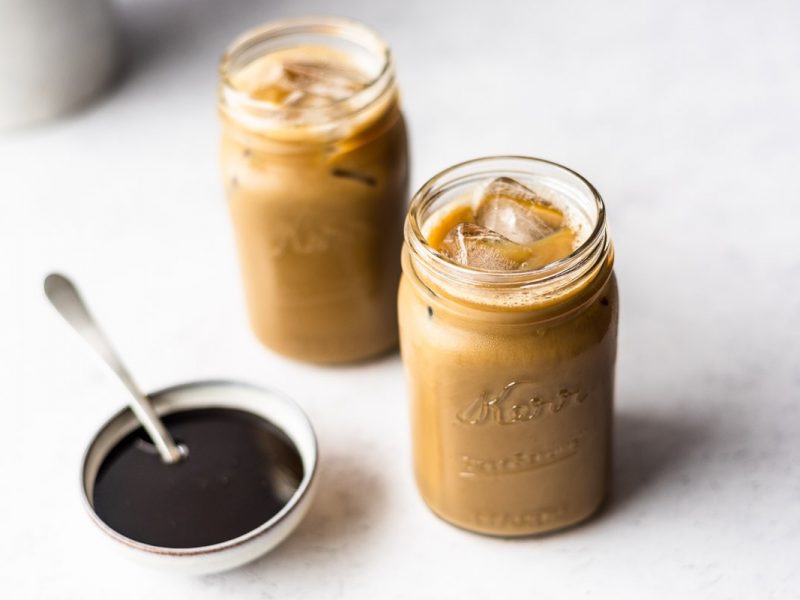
65	297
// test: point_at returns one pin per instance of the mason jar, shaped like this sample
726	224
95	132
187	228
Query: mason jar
510	373
315	167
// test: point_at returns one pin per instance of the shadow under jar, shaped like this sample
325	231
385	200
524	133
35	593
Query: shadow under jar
315	165
511	373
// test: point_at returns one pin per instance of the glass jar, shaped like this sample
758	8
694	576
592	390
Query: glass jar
511	374
316	191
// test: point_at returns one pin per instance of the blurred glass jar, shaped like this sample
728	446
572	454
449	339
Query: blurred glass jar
511	373
315	165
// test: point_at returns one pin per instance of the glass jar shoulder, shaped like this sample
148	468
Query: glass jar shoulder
594	305
446	337
356	169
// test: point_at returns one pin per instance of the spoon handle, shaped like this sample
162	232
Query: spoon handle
65	297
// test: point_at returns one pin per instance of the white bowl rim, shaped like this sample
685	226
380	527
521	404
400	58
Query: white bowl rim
309	471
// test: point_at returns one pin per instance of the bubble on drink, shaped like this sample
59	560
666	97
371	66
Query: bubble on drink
516	212
476	246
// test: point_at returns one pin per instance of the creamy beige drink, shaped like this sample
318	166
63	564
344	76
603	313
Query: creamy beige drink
314	159
508	321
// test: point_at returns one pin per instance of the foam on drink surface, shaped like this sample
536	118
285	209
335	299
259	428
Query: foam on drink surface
506	226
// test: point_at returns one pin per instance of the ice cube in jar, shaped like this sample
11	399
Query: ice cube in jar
516	212
313	77
476	246
509	228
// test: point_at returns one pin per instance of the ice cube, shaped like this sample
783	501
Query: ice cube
516	212
476	246
300	83
323	80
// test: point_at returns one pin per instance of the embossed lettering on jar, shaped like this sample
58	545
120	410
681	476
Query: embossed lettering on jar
314	160
508	323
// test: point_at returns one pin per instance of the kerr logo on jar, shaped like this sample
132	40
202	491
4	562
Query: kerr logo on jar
314	237
518	402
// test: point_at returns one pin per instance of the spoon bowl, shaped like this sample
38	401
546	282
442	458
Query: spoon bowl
275	518
263	403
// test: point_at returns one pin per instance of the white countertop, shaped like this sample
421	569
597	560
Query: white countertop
685	116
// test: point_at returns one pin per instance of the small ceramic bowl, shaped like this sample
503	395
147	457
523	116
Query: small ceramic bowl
263	403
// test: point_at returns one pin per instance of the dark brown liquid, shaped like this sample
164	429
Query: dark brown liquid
241	470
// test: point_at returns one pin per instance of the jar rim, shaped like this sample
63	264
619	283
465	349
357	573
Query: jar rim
332	27
595	243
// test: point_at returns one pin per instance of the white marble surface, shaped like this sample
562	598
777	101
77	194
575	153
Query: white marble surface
685	116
